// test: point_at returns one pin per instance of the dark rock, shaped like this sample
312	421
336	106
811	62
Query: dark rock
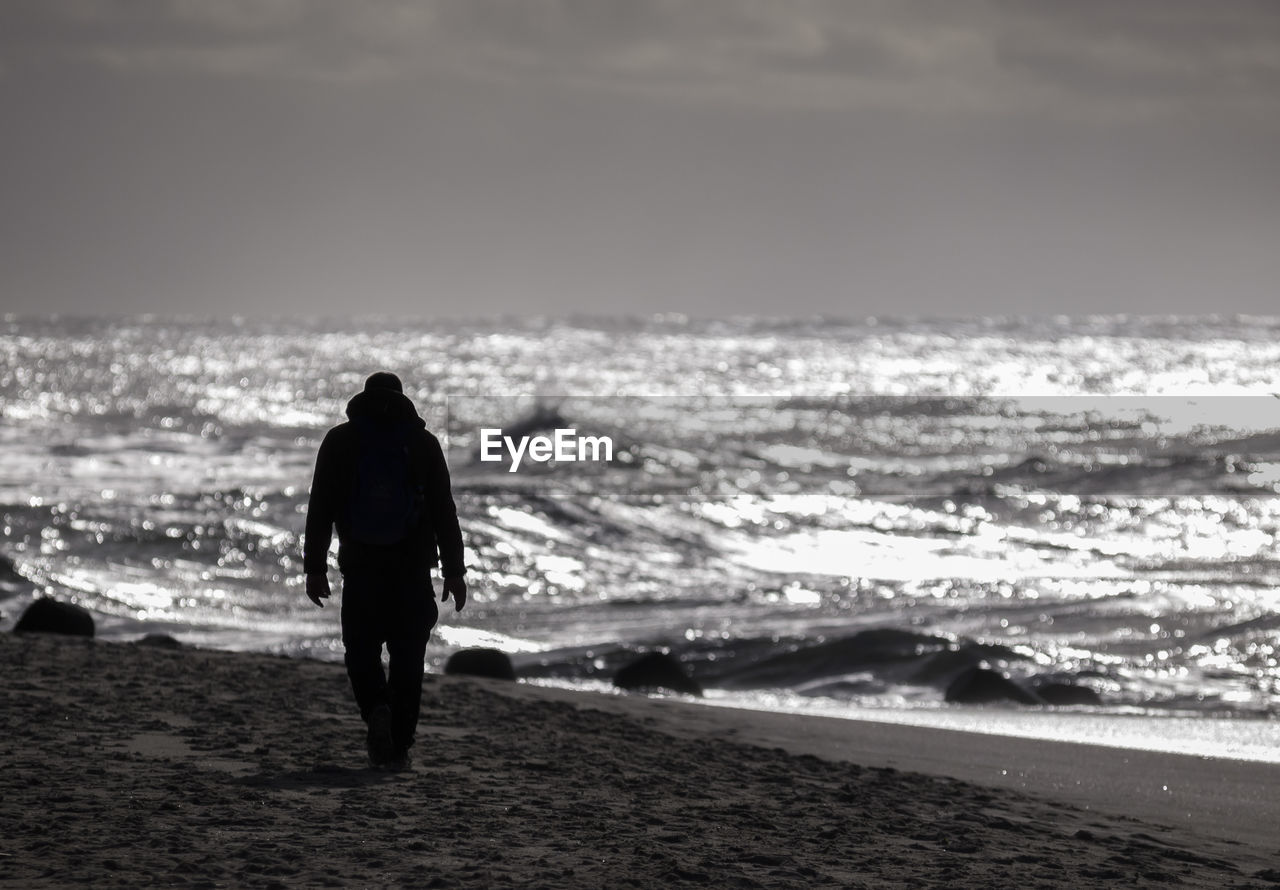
943	667
48	616
480	663
1068	694
160	641
878	650
977	686
653	671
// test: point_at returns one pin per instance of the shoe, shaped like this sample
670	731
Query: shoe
400	760
381	747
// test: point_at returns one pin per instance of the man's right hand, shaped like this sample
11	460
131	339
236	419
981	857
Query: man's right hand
318	587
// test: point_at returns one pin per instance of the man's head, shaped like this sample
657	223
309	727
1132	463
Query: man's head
383	380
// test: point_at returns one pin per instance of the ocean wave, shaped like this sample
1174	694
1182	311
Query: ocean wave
854	510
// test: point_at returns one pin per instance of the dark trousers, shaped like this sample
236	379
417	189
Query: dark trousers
396	607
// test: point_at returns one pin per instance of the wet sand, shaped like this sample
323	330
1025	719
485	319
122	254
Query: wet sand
125	766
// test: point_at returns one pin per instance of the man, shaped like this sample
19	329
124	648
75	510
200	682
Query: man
381	479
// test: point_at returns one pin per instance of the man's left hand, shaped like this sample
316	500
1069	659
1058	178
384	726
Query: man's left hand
457	588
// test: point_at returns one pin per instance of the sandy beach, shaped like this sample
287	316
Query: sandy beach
124	765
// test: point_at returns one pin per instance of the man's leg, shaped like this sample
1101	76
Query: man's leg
416	613
362	638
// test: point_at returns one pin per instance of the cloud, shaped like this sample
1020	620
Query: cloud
269	39
1112	59
1172	55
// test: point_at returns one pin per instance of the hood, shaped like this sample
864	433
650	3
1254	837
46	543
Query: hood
382	405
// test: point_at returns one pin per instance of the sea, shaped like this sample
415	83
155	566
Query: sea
835	516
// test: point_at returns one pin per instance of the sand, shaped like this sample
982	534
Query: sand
126	766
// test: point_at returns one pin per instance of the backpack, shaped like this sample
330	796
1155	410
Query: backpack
386	499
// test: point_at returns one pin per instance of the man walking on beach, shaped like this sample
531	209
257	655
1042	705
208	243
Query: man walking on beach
381	479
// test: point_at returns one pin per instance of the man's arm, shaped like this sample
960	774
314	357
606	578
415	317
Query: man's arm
322	512
443	512
444	522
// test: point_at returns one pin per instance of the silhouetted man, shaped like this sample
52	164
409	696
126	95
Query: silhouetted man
381	479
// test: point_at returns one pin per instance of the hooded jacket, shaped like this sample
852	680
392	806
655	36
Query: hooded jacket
436	541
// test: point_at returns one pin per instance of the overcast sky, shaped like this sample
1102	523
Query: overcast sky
714	157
